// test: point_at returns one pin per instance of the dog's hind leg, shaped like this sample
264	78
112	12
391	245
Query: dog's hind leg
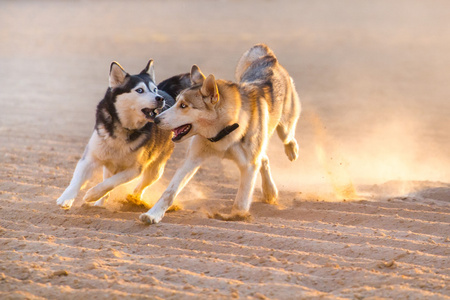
244	195
102	201
286	126
249	168
83	171
290	144
108	184
150	175
269	188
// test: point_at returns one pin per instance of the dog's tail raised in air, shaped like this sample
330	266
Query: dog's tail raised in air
254	53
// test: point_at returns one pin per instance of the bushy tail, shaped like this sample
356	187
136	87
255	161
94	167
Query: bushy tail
254	53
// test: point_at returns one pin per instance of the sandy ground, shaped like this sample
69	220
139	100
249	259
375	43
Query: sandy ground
373	77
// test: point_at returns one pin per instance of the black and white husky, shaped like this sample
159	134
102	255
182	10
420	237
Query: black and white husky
125	141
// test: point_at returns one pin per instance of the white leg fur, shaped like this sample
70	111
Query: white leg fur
288	123
179	180
244	195
103	200
107	185
269	188
83	171
151	174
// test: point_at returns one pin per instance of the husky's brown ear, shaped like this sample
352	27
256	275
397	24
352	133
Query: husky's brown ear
117	75
197	76
209	89
150	70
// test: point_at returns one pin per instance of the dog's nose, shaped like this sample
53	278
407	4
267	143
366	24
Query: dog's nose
156	120
159	98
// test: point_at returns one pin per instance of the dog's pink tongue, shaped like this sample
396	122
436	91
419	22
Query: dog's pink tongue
181	130
178	130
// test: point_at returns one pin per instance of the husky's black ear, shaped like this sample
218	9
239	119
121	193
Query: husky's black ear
209	89
150	70
197	76
117	75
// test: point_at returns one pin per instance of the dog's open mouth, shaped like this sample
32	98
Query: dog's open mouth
150	113
181	131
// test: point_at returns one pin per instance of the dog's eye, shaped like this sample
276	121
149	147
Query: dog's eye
154	90
139	90
182	105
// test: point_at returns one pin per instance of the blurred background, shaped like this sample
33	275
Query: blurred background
373	76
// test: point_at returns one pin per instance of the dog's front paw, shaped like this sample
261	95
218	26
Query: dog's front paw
65	203
150	219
